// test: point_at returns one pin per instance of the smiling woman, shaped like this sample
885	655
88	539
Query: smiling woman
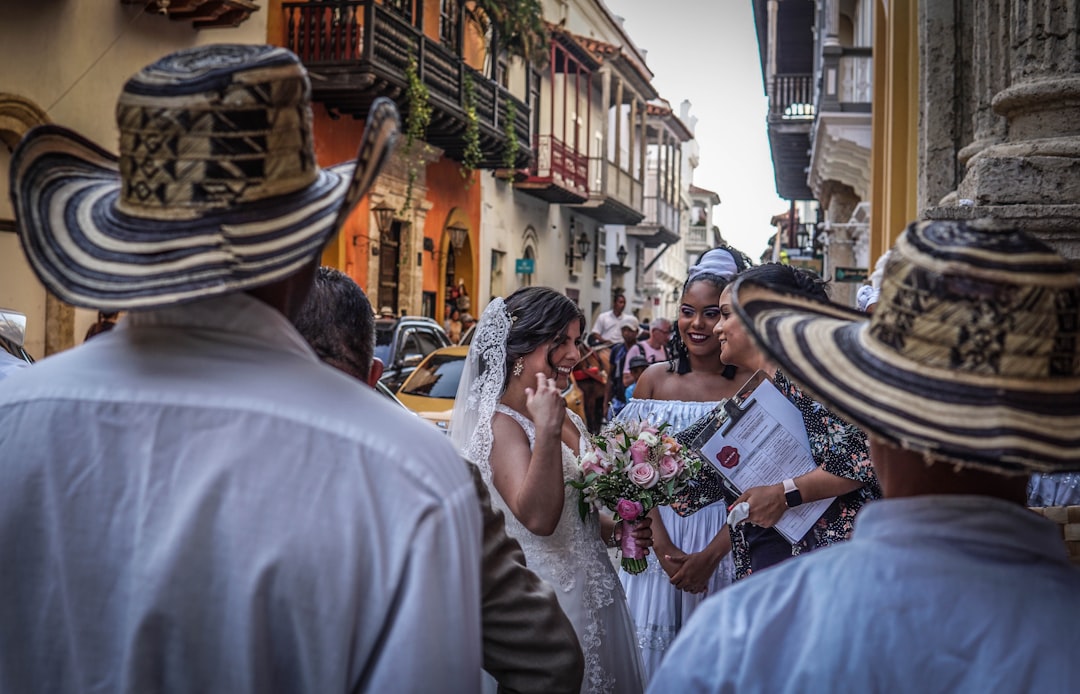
511	420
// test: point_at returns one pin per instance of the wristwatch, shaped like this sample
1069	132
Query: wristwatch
792	495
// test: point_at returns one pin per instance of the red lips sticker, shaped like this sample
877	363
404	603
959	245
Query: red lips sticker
728	457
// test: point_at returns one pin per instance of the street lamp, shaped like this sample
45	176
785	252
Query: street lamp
457	237
582	246
621	255
384	217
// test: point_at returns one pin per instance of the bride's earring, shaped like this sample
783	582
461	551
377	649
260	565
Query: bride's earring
519	366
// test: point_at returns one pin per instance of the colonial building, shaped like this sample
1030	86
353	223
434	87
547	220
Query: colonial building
817	64
416	243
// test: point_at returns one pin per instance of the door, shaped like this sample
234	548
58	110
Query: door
390	267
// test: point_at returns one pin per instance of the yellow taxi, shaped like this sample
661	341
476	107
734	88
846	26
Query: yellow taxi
430	389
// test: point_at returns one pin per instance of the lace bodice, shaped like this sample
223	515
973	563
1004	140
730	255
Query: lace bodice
571	558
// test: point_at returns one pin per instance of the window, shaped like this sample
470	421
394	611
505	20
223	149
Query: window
449	13
600	258
437	378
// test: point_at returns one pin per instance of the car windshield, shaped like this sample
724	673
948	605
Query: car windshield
437	377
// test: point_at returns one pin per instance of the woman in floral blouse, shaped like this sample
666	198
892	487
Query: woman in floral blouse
839	449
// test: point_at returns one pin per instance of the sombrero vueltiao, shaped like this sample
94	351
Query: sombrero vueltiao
972	356
216	189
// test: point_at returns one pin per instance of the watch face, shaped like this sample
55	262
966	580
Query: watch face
793	498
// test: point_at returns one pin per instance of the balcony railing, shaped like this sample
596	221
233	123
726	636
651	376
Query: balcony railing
562	164
697	237
792	97
360	49
660	212
614	194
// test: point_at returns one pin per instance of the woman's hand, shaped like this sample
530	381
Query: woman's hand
671	561
693	571
546	406
642	533
767	504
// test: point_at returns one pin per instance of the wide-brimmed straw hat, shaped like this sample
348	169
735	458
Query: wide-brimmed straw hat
216	189
972	355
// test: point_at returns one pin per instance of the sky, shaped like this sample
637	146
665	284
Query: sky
706	51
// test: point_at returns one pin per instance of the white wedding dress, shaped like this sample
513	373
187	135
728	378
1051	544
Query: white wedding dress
658	608
576	563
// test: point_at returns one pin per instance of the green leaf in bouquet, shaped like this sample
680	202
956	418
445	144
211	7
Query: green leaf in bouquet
583	507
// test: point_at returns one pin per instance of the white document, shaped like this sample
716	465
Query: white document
765	443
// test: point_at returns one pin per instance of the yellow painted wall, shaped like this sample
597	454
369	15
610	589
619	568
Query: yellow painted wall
894	148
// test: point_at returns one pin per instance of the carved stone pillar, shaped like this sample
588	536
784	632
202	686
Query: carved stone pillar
990	74
839	201
1031	178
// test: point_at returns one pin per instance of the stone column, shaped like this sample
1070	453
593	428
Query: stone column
990	74
1030	179
839	201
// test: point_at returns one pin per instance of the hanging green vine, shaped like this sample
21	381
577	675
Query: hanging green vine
472	155
416	123
510	149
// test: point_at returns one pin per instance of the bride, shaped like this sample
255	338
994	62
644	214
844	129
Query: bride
510	419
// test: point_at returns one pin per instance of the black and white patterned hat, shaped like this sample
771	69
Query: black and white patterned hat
216	189
972	355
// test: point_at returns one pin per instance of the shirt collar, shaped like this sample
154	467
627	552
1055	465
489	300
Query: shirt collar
994	523
238	314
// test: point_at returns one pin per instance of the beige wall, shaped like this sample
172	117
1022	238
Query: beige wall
71	58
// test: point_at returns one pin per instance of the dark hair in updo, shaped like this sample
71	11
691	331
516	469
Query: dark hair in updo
787	278
538	315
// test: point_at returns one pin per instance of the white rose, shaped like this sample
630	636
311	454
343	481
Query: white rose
648	438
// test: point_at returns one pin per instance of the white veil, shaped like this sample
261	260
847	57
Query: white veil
480	387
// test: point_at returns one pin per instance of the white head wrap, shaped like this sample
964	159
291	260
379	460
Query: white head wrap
718	261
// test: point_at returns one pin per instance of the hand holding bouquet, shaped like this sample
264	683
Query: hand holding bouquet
631	467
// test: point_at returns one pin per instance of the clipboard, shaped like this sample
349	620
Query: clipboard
757	438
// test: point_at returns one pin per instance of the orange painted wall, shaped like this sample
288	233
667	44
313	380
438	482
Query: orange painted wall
446	193
337	141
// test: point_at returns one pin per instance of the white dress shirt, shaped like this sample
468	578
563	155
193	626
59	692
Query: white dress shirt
10	364
193	503
931	594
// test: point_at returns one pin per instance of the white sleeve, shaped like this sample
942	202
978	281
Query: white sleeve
437	610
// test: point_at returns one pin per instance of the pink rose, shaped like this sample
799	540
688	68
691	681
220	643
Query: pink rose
670	467
644	475
650	429
639	451
629	510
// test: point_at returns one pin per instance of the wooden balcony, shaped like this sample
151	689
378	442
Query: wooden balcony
614	194
359	50
559	175
791	116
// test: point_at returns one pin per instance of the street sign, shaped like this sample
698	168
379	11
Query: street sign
524	266
851	274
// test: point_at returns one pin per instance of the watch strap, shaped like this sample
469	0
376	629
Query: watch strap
792	495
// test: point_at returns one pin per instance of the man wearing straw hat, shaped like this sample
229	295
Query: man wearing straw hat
967	379
192	501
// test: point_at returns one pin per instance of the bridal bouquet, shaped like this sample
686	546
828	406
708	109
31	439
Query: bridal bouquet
631	467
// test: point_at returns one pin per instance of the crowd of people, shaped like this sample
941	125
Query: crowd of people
208	496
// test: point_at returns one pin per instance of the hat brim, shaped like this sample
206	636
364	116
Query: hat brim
86	251
995	424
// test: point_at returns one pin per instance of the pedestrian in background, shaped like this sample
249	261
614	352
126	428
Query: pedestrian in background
201	505
106	320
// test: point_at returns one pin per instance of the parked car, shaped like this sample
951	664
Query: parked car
430	389
402	343
12	334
